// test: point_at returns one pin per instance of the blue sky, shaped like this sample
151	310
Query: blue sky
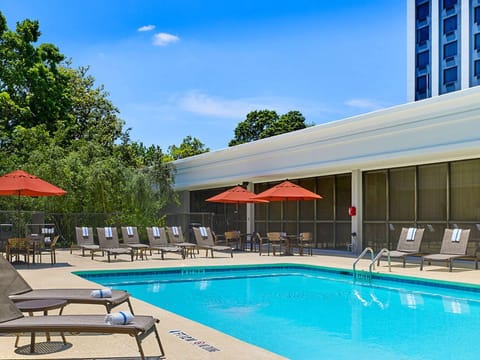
197	67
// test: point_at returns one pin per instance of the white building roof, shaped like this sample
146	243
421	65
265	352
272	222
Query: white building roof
437	129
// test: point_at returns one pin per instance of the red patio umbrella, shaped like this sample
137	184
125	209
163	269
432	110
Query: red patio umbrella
287	191
236	195
21	183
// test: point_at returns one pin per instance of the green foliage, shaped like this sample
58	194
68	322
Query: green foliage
261	124
190	146
57	124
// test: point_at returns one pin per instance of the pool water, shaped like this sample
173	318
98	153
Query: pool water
305	312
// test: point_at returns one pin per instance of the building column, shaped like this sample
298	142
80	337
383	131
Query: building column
357	202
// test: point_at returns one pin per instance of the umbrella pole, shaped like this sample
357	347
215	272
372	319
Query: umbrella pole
18	216
237	216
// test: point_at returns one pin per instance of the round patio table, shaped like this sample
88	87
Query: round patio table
44	305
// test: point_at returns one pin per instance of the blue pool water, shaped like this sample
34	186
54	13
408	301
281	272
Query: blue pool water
306	312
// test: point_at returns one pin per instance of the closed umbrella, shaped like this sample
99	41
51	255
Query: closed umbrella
21	183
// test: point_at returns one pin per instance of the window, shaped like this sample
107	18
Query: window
477	41
450	25
423	11
477	68
450	50
450	75
422	84
449	4
423	59
477	15
423	35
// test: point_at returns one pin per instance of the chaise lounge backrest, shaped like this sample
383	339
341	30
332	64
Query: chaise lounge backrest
455	241
157	236
84	236
108	241
130	235
410	240
175	234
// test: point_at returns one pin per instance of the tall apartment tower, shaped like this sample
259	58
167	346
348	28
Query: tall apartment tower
443	46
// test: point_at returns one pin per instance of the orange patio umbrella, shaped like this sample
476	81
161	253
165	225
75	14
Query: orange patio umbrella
287	191
236	195
21	183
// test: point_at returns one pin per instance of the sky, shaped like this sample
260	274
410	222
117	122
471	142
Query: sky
175	68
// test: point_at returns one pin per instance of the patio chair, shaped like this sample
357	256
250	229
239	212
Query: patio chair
409	244
305	242
85	241
131	239
12	321
232	238
47	247
454	246
205	240
276	241
18	248
108	239
262	243
157	238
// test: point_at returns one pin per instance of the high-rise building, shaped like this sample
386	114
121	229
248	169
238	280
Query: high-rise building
443	46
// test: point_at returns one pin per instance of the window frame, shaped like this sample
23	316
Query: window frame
447	47
447	27
446	75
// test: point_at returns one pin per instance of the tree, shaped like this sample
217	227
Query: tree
190	146
57	124
261	124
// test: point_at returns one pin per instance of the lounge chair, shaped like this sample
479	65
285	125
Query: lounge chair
131	239
84	237
409	244
17	288
157	238
205	240
12	321
108	239
175	237
454	246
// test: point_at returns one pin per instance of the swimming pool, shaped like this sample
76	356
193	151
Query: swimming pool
308	312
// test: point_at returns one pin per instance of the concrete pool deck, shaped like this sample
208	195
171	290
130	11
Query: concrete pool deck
124	347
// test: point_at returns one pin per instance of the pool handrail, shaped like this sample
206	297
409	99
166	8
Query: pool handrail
364	252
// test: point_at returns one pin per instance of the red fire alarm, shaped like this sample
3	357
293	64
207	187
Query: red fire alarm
352	211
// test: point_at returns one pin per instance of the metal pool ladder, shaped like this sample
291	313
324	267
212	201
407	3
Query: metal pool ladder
374	259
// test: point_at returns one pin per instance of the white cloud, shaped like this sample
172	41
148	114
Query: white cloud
364	104
203	104
164	39
146	28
